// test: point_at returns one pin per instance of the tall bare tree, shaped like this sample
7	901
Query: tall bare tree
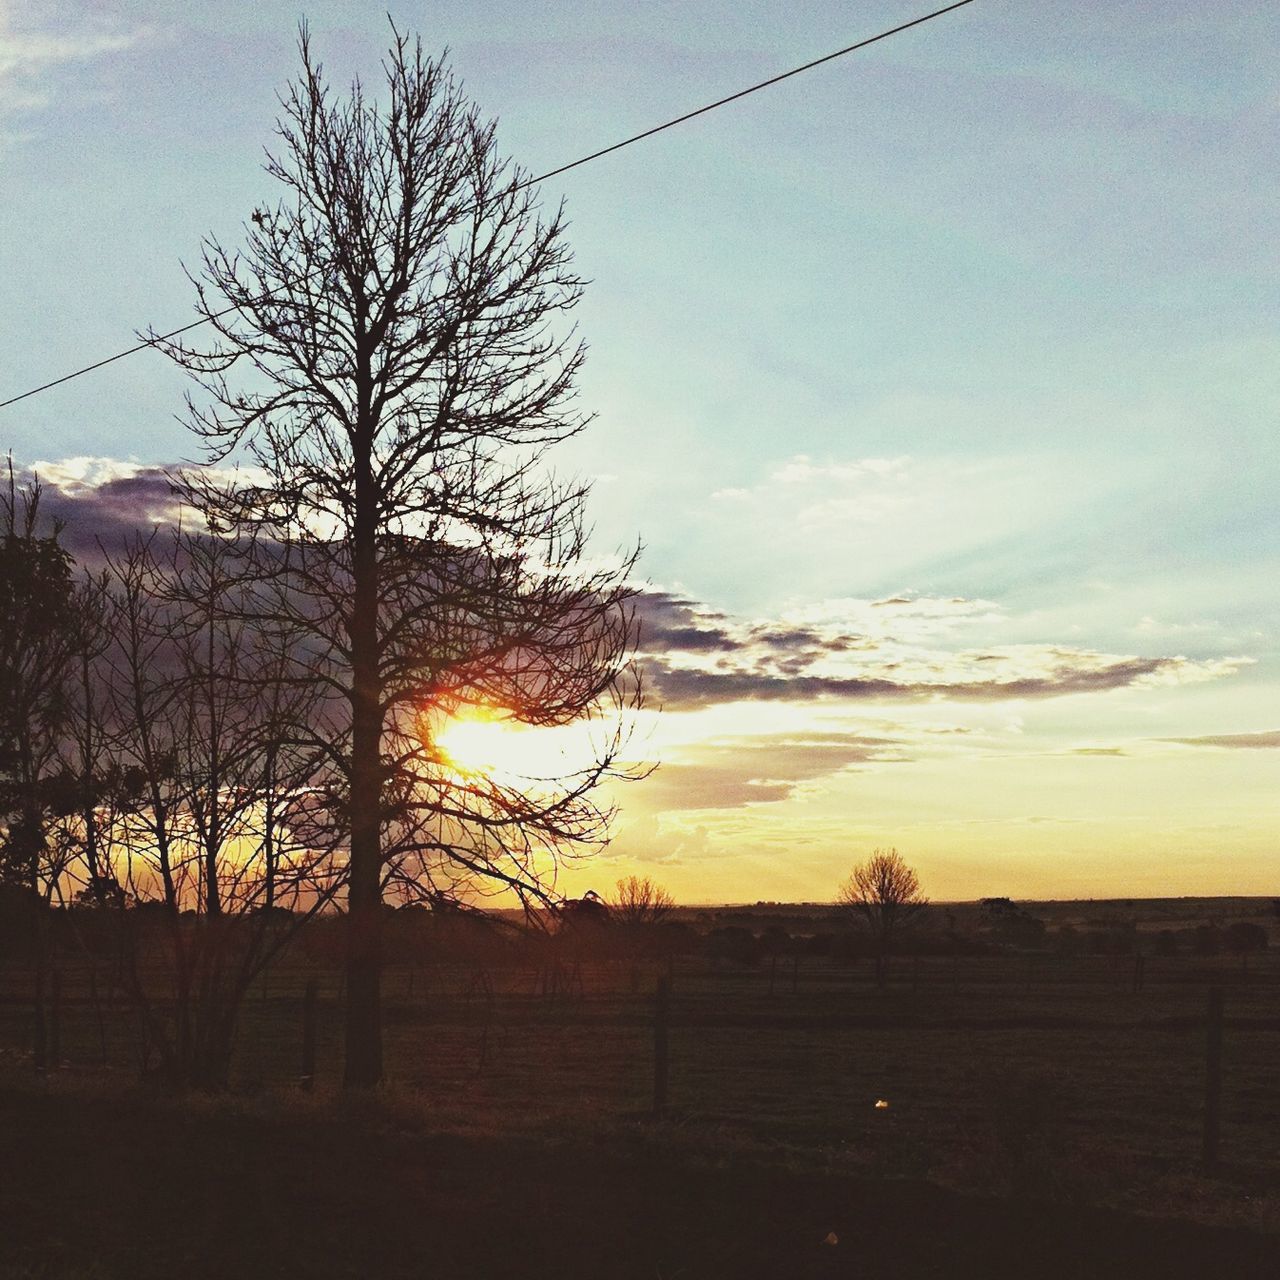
885	894
392	366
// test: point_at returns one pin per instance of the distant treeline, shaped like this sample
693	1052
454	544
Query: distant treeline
417	934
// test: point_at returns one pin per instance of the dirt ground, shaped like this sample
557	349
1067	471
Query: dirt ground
100	1186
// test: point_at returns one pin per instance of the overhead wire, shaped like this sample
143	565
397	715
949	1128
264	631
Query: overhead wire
148	343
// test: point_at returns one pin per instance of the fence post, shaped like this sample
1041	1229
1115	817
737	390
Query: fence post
773	971
795	973
55	1018
39	1028
661	1013
1213	1079
309	1035
97	1016
1139	970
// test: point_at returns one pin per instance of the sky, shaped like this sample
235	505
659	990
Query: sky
940	385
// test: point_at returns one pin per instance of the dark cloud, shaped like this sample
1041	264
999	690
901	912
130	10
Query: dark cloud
695	657
107	514
787	638
1233	741
669	622
681	687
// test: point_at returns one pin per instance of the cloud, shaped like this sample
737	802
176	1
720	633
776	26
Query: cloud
29	54
1269	739
103	502
765	769
670	622
1076	672
902	647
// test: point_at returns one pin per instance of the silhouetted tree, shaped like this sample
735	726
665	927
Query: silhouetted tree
639	902
37	647
207	834
885	894
395	320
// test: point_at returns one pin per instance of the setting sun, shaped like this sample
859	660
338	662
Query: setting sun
489	742
479	744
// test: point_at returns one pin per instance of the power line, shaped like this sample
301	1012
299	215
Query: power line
528	182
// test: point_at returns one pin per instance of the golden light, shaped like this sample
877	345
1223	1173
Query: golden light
478	743
882	1104
473	745
489	743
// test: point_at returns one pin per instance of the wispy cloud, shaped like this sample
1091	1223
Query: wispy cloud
32	51
736	772
1269	739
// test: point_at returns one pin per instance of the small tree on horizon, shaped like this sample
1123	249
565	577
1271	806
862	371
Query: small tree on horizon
639	901
884	893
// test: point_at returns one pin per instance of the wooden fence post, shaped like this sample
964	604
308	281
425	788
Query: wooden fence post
1139	970
309	1035
39	1029
1213	1079
795	973
55	1018
661	1013
773	971
97	1015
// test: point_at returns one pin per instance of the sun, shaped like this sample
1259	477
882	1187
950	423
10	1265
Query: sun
474	744
485	742
489	743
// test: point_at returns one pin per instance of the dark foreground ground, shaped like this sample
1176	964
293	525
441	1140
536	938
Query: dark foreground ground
96	1186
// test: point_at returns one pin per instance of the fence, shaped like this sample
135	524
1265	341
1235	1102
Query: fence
1002	1058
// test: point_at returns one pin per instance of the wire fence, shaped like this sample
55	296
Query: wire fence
1027	1060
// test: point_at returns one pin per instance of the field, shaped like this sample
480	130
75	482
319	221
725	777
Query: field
1077	1081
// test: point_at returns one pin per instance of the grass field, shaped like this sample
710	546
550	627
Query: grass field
1048	1076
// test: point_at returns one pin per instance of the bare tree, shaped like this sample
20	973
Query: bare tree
214	870
885	894
391	366
638	901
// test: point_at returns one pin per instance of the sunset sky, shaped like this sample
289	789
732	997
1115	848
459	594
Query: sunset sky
940	383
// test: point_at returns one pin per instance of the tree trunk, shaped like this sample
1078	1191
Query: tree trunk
364	894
